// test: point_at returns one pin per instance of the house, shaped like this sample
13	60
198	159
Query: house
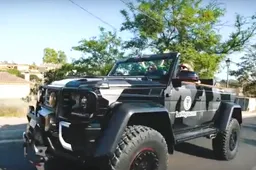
5	66
23	67
49	66
13	87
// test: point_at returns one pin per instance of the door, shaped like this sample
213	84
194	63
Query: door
210	104
185	106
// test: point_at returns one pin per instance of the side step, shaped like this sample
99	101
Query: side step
181	137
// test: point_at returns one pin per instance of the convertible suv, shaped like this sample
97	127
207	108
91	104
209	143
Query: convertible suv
132	118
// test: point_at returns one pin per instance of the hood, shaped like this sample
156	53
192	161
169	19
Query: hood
117	88
105	82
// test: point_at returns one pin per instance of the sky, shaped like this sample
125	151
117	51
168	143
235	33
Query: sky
29	26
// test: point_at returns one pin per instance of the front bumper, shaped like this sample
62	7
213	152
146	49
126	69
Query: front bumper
39	150
47	144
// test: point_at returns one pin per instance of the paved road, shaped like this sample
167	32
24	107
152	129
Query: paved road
192	155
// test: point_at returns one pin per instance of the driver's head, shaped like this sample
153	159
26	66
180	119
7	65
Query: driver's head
183	67
186	67
152	67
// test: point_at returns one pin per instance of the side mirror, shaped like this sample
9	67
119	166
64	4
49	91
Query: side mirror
185	75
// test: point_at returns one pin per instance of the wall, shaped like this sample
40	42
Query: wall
23	67
27	76
17	91
252	104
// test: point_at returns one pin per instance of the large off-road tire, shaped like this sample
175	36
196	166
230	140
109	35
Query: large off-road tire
140	148
225	145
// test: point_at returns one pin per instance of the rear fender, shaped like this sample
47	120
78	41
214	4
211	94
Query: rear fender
226	112
122	114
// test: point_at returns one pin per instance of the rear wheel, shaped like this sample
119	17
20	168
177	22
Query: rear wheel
140	148
225	145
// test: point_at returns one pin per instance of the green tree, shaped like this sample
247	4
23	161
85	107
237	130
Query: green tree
232	83
62	57
51	56
246	72
99	53
250	89
188	27
61	73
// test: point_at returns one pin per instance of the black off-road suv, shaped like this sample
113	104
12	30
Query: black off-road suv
133	117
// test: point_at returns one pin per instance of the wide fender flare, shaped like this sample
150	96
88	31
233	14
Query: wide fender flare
226	111
121	114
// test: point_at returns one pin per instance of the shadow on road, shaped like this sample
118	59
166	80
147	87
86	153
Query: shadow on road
13	127
249	141
250	127
11	132
194	150
11	157
63	165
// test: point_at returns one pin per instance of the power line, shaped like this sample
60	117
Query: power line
92	14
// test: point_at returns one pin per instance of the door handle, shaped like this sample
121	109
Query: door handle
168	95
218	99
198	98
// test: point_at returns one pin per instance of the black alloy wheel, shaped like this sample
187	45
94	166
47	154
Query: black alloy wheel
146	159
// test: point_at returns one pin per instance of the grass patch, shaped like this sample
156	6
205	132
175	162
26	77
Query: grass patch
8	111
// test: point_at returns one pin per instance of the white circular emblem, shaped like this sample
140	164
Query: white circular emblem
187	102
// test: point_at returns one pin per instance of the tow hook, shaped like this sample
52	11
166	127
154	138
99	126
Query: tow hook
39	163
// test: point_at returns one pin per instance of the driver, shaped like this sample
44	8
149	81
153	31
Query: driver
185	66
152	70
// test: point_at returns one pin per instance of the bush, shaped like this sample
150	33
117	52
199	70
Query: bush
34	78
16	73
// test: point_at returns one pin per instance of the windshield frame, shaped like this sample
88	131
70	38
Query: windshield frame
172	56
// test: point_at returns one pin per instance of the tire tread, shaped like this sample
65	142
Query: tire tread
220	143
131	136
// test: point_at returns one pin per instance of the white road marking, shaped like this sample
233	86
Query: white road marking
11	141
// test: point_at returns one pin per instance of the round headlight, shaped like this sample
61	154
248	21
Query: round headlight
52	99
84	102
39	93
